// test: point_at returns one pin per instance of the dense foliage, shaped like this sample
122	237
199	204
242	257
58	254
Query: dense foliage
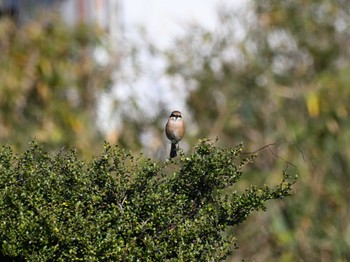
120	208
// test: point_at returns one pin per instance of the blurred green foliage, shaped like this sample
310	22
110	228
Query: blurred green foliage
280	72
50	83
120	208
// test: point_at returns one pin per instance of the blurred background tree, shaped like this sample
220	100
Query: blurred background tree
280	72
50	84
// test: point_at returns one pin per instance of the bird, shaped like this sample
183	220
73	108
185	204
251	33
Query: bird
175	130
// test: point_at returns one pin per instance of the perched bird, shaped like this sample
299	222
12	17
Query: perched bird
175	130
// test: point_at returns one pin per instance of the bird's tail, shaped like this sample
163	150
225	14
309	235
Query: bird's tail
173	150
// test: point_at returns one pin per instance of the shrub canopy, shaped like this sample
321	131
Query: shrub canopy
118	207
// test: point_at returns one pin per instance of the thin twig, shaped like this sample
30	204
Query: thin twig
261	148
277	156
274	154
301	151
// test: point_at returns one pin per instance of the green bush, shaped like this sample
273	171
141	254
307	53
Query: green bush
121	208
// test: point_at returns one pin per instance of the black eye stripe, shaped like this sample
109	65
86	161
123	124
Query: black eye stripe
176	116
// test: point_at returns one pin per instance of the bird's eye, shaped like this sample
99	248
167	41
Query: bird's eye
176	115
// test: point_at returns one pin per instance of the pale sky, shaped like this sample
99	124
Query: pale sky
164	19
